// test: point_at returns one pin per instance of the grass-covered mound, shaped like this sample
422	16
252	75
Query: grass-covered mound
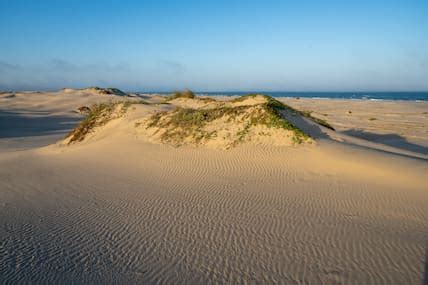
248	118
189	120
97	115
108	91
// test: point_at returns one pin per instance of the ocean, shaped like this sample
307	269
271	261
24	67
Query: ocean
407	96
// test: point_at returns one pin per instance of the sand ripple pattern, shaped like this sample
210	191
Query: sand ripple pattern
247	217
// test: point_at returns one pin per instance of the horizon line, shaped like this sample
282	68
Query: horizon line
216	91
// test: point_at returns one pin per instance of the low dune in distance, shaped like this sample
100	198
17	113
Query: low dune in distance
196	190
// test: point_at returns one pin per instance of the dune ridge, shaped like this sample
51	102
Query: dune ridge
199	122
96	91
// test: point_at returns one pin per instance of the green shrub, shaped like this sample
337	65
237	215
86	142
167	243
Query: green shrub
182	94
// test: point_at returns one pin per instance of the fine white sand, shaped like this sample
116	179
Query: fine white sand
117	208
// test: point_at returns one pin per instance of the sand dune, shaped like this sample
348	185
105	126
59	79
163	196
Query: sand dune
116	208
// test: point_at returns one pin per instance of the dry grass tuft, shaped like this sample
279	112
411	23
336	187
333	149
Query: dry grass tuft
98	115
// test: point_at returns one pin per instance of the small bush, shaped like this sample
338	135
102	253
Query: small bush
182	94
84	110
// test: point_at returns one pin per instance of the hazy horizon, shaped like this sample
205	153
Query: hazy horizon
358	46
238	91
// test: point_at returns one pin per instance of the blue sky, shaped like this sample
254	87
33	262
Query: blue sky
215	45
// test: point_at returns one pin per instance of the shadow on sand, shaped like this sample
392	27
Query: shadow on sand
393	140
15	124
313	129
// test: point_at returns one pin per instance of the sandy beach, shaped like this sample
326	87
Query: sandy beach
120	207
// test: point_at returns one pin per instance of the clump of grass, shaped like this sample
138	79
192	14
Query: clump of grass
83	110
182	94
372	119
206	99
188	94
273	103
98	115
349	112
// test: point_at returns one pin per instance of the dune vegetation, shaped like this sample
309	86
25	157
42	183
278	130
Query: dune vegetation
97	115
228	123
197	121
182	94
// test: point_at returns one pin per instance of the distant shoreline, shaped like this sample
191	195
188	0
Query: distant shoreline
365	96
413	96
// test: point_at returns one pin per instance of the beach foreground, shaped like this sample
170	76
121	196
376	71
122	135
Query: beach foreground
115	208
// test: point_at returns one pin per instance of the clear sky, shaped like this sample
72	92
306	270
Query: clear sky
215	45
